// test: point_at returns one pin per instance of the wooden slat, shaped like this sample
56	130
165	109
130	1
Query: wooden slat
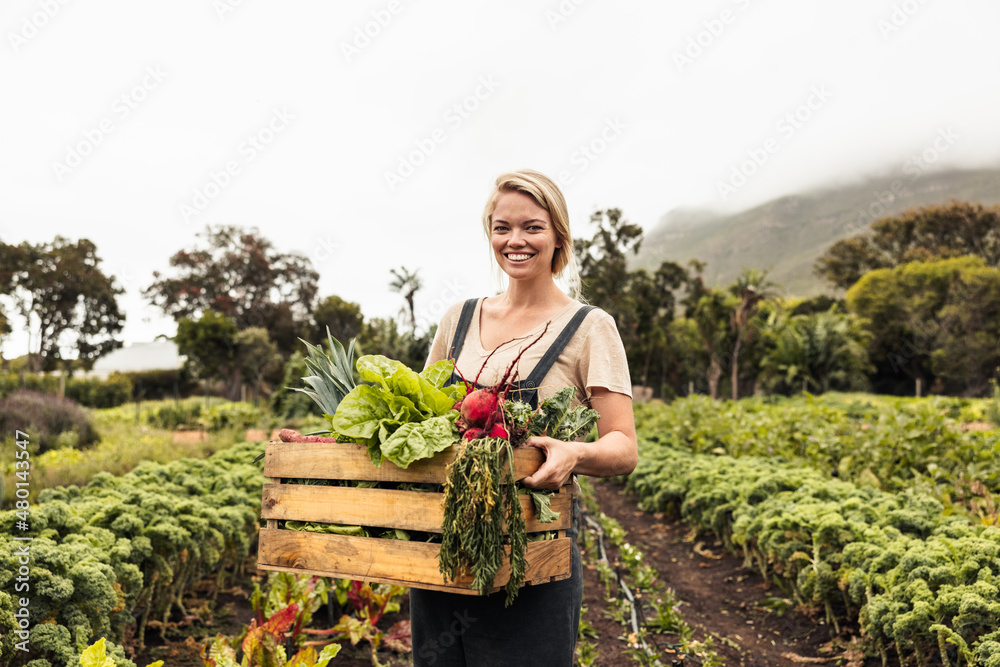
348	460
412	564
383	508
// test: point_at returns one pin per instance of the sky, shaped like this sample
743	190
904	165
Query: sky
367	135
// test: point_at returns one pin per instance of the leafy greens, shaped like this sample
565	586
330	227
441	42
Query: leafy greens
401	415
553	418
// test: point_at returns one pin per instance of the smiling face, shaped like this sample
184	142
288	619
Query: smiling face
523	238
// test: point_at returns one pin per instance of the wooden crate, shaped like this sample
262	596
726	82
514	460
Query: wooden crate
413	564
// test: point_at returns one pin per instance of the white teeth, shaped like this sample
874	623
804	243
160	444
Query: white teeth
518	258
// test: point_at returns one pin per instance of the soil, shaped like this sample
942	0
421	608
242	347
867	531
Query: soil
722	601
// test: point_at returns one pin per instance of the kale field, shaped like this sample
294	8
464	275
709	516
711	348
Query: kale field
844	529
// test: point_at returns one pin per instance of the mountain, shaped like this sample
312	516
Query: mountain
788	234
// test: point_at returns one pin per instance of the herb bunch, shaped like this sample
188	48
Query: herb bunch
483	518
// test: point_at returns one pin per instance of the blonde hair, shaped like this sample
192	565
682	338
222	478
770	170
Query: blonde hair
546	194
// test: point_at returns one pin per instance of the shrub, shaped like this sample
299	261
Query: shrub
91	392
45	418
11	382
160	385
233	415
174	416
96	393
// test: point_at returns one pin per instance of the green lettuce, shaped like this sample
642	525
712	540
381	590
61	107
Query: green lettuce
332	528
401	415
413	441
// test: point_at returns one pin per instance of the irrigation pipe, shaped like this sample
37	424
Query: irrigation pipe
628	593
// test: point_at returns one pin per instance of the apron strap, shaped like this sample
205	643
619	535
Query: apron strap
461	330
528	388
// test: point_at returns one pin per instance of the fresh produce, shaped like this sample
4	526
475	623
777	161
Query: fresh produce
554	418
401	415
483	518
404	416
291	435
478	407
332	375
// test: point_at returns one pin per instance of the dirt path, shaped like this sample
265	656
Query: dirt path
721	597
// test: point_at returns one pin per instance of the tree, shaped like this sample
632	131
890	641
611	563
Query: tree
967	354
407	284
288	403
642	303
60	291
382	336
257	356
241	276
821	352
937	319
603	261
712	317
751	287
343	318
817	304
951	230
210	345
646	313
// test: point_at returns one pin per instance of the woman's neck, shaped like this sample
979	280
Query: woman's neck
533	295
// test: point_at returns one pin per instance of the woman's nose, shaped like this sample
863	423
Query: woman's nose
516	237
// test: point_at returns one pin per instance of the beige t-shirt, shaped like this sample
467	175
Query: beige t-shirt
594	357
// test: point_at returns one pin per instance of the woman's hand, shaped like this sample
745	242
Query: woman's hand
561	459
615	452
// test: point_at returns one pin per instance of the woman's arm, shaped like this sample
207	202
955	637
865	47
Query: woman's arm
615	452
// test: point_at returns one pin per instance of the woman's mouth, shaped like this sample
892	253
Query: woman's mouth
518	257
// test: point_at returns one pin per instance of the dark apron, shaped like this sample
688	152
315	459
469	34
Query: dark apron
540	627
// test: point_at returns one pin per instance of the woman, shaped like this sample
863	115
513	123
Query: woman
527	223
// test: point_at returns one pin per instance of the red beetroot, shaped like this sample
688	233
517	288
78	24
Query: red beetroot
498	431
473	434
479	406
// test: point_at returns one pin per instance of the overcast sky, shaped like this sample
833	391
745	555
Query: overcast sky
366	135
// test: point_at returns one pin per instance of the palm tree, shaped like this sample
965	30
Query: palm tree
407	284
752	287
709	315
819	352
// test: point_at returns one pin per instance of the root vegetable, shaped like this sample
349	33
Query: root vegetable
479	406
472	434
291	435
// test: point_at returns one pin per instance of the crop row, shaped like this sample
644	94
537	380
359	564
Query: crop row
122	550
925	445
920	582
